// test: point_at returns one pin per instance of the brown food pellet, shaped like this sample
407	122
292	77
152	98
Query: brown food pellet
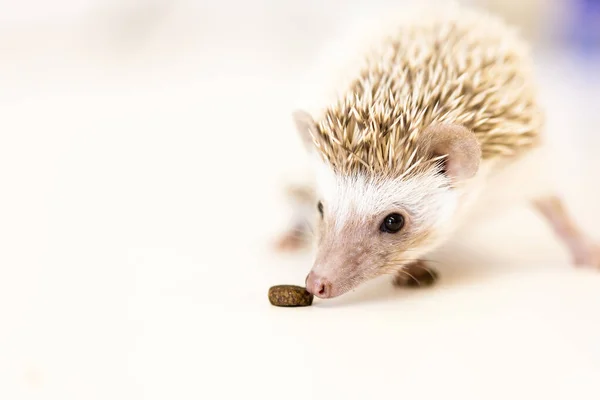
290	296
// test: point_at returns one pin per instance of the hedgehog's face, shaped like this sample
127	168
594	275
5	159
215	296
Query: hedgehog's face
372	224
370	227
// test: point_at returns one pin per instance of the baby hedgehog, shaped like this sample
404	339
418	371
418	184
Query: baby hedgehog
437	121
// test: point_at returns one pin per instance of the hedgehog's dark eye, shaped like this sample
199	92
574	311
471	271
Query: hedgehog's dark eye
392	223
320	208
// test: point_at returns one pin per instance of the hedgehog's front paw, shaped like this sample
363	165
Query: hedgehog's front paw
586	253
416	274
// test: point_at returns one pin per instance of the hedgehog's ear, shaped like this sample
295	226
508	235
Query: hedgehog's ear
305	125
458	144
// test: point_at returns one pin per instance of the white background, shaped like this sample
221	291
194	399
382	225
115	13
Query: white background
142	150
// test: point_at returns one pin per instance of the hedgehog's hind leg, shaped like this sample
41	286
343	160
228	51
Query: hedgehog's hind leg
417	274
583	250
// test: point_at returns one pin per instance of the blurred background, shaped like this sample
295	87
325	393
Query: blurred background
143	147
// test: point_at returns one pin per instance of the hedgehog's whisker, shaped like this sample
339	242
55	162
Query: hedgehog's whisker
424	260
397	265
410	276
302	230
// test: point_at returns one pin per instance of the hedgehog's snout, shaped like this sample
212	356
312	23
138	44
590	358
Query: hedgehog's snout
318	285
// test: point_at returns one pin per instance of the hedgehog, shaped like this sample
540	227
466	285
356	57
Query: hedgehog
436	123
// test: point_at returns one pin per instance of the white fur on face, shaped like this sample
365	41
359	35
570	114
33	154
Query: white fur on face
427	198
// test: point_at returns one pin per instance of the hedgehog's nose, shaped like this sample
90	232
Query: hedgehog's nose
318	286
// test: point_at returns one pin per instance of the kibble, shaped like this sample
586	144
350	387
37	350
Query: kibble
290	296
